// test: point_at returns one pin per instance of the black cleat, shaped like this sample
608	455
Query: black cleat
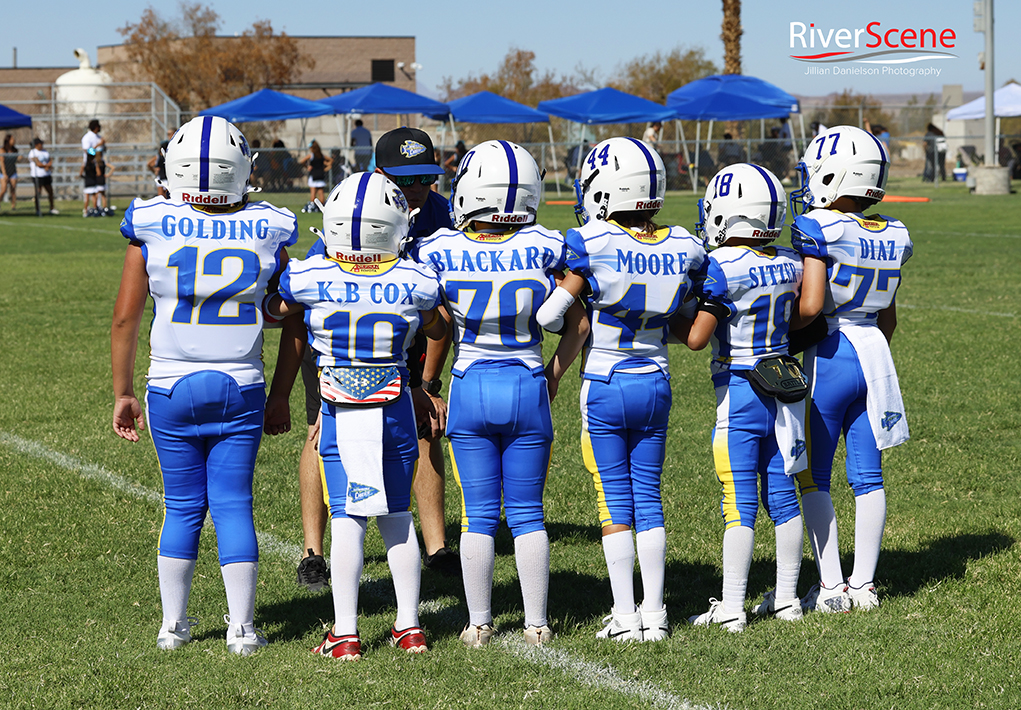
313	573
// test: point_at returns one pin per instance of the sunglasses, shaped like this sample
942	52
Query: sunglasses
409	180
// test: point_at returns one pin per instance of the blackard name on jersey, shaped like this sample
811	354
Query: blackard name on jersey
655	264
492	260
351	292
772	274
220	227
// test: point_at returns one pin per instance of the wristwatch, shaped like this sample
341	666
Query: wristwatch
432	387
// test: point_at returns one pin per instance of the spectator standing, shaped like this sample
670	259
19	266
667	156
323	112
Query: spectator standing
651	135
92	139
317	165
730	151
40	164
9	171
361	141
158	164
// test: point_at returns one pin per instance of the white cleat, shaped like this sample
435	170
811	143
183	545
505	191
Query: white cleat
622	627
241	643
732	622
538	635
835	600
864	597
788	610
654	624
477	636
176	633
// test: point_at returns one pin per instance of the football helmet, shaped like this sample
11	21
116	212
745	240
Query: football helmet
496	182
365	220
743	200
208	163
619	175
842	161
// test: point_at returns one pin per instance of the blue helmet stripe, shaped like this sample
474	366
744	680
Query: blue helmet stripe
773	198
356	216
207	130
512	188
653	177
886	158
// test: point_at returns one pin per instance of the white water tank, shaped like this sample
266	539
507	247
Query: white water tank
84	91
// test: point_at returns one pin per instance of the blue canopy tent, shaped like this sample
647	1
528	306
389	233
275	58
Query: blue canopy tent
730	97
9	118
606	105
381	98
487	107
267	105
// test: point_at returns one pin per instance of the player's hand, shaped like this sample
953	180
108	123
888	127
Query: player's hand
552	385
127	415
438	420
277	419
313	431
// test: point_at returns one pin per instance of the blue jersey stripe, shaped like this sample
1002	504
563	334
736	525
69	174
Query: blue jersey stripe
207	130
512	188
356	217
653	176
772	196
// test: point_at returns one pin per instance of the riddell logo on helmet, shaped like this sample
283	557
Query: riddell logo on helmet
510	218
878	194
650	205
766	234
204	199
362	258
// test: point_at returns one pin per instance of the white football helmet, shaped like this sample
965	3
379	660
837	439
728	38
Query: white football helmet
496	182
842	161
208	163
743	200
619	175
365	220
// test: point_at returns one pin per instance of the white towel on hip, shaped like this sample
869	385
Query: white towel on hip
884	402
790	436
360	443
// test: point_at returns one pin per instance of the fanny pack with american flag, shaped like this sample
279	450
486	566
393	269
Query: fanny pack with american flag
361	386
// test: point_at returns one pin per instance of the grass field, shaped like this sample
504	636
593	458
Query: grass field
80	512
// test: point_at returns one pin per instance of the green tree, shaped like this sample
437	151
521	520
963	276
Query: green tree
655	75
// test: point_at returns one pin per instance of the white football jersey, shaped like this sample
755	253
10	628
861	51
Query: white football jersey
758	286
207	278
360	314
638	282
863	258
493	285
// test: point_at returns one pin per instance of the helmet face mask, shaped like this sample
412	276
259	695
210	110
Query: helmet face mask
742	200
845	161
365	220
208	163
497	182
619	175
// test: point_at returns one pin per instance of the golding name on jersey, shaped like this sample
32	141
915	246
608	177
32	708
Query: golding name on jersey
495	260
351	292
637	262
220	227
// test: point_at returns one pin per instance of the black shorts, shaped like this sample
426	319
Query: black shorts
43	181
310	378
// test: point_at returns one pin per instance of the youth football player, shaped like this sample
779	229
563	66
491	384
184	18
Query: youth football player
206	257
745	310
496	268
635	276
852	272
362	307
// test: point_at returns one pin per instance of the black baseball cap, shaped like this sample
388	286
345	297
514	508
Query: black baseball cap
406	151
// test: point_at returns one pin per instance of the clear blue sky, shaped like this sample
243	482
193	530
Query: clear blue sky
458	37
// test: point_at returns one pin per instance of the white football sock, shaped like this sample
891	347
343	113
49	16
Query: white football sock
869	521
531	555
738	542
175	587
652	560
821	521
239	580
404	557
619	551
347	555
789	545
477	558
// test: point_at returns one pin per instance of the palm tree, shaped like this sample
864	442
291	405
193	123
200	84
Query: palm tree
732	36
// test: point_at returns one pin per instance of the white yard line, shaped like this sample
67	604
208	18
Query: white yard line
595	675
113	230
957	310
